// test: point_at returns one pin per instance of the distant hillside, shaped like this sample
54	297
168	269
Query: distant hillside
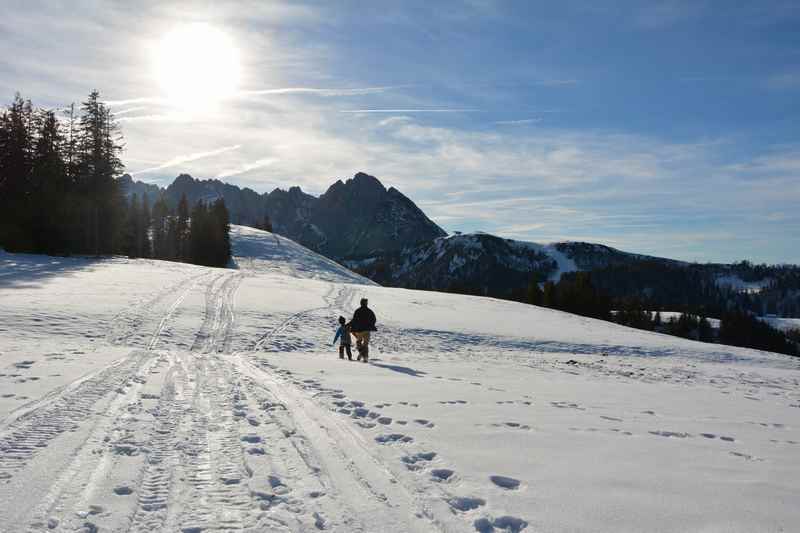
352	218
489	265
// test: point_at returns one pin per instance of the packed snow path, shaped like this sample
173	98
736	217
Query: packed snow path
152	396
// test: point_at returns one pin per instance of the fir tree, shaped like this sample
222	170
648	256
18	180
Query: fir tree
182	229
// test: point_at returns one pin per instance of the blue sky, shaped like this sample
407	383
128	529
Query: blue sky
667	128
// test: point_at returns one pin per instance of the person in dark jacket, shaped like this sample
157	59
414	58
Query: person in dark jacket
362	325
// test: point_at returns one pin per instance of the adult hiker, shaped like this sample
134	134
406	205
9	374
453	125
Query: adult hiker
362	325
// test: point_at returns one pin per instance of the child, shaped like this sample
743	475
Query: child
344	333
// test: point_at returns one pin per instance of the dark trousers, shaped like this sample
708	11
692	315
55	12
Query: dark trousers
342	348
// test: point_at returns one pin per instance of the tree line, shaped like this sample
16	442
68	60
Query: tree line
60	194
577	293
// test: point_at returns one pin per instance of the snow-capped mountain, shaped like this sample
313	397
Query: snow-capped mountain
479	261
485	264
143	395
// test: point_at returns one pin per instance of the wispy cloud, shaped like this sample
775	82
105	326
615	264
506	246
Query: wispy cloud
129	110
418	110
181	159
557	82
129	101
157	117
358	91
784	81
520	122
247	167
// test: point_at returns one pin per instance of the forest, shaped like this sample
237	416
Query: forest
60	192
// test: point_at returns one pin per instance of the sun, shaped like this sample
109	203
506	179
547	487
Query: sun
197	65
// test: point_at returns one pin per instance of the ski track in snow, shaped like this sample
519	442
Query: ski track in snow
256	452
203	426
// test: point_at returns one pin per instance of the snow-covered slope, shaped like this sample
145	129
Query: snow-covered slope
153	396
260	251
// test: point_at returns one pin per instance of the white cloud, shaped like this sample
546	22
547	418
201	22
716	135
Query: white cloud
318	91
247	167
519	122
181	159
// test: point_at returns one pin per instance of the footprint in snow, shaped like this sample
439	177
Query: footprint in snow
391	438
424	422
721	437
746	456
673	434
465	504
504	482
510	524
122	490
417	460
443	475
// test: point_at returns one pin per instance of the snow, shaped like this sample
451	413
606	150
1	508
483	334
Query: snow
563	263
783	324
738	284
666	316
144	395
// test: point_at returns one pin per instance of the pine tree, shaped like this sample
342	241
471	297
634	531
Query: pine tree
144	223
98	164
221	231
16	155
534	293
199	236
182	229
172	243
48	188
133	229
159	228
549	295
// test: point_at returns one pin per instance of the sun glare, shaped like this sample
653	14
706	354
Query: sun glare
197	65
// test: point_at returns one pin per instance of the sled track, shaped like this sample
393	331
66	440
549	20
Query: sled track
216	332
129	322
156	481
32	432
264	339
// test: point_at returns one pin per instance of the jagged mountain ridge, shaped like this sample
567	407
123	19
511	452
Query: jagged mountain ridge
355	217
382	235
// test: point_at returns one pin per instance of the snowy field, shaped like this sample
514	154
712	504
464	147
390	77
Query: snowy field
151	396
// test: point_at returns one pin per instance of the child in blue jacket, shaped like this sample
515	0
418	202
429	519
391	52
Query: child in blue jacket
344	333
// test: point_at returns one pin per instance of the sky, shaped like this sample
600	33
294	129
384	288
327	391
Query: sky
668	128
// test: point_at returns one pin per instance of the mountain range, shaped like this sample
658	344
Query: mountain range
381	234
352	218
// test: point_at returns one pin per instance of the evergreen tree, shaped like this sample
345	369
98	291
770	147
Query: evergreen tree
159	228
182	229
144	247
534	293
98	164
198	237
133	230
16	155
267	224
705	333
48	189
549	295
221	233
